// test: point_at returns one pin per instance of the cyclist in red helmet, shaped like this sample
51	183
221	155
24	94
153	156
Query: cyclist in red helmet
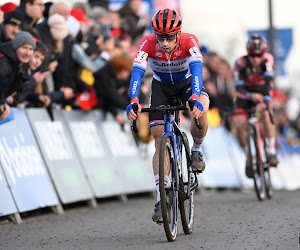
176	62
253	75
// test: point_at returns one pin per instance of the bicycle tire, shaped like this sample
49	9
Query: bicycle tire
258	169
168	194
186	196
266	166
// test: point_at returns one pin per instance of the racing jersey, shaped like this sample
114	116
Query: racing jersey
185	61
250	79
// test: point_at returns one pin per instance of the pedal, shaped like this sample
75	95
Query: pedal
197	171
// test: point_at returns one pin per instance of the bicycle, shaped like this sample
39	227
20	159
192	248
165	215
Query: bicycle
175	161
257	154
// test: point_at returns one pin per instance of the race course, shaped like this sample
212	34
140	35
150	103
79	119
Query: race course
223	220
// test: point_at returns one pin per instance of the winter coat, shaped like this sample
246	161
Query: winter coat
13	75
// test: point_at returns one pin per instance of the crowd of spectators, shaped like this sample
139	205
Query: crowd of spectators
83	58
83	54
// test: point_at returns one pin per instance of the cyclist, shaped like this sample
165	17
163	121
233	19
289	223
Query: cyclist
253	75
176	62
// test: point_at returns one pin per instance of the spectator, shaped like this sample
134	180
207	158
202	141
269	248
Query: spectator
14	58
32	11
84	60
33	92
137	24
11	25
112	84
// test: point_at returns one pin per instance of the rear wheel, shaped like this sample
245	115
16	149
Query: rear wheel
168	192
258	169
186	196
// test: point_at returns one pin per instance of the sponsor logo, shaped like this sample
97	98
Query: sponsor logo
142	56
195	52
134	86
21	159
158	54
194	41
171	64
143	44
197	88
177	52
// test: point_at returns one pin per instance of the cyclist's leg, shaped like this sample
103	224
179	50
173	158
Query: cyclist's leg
270	132
240	123
156	121
197	134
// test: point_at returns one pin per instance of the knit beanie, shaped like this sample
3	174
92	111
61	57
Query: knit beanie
21	38
58	27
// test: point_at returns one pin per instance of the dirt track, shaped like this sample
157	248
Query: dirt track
223	220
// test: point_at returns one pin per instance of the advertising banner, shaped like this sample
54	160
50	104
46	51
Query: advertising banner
60	157
137	175
220	170
23	165
85	131
113	164
7	204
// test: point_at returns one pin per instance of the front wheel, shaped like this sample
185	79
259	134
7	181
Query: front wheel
167	188
186	196
266	166
258	168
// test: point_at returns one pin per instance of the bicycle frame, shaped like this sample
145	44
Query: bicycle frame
171	129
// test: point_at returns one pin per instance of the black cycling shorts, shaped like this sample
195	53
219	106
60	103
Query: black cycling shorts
162	94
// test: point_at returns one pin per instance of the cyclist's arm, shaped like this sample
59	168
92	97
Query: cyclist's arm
240	90
138	70
195	64
268	65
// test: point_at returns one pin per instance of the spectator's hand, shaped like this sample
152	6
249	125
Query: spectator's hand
39	77
52	66
45	100
10	99
68	92
257	97
109	45
5	111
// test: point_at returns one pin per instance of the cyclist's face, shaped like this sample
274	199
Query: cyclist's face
255	60
167	43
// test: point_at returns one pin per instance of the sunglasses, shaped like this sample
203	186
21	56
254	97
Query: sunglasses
168	38
253	56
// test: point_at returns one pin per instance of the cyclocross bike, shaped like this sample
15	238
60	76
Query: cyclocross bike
175	161
257	152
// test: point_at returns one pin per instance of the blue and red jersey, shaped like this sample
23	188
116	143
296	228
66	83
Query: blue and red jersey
185	61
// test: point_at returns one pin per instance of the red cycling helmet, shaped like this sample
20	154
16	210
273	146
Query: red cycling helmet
256	45
166	22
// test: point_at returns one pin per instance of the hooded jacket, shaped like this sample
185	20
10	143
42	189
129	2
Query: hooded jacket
12	74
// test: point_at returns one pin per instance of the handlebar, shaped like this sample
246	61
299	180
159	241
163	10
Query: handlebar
163	109
253	110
